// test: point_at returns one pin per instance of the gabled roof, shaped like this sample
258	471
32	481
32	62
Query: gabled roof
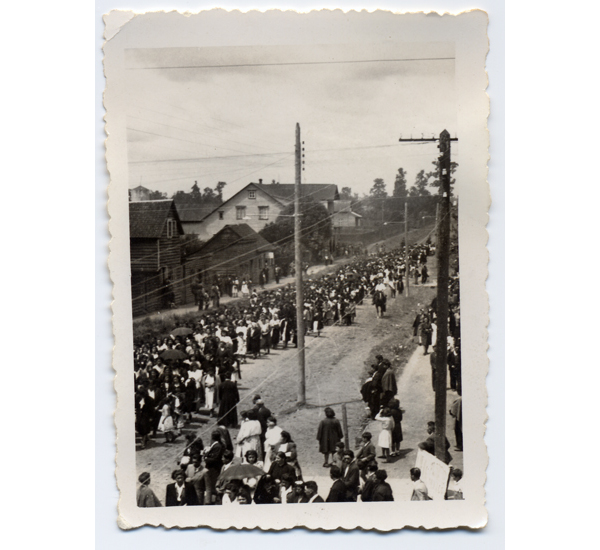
147	218
192	209
140	188
285	191
344	207
245	235
236	194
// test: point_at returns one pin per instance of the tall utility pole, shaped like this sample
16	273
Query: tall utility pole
443	257
406	272
298	263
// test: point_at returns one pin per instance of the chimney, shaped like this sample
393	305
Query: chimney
260	181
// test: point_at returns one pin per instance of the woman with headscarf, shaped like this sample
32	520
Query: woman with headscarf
328	434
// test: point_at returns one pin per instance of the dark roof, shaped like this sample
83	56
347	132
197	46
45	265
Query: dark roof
285	191
192	209
245	235
147	218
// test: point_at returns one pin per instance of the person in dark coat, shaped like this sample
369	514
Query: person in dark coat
213	457
351	475
338	490
311	493
280	467
366	495
382	490
388	384
394	406
230	397
328	434
145	408
181	493
366	454
429	444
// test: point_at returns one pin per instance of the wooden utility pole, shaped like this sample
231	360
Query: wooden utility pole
406	274
298	263
443	258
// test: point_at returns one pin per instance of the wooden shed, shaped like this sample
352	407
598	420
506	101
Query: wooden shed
235	251
157	272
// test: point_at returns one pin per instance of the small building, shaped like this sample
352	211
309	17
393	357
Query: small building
343	215
258	204
139	193
235	251
157	273
192	209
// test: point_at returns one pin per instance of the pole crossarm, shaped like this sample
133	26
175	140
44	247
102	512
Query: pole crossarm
427	139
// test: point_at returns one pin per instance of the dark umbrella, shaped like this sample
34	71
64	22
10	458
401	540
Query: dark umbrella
172	354
182	331
240	471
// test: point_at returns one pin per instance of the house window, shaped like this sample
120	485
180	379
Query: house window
251	193
263	212
240	212
221	214
171	228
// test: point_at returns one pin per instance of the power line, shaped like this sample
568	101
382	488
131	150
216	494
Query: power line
195	159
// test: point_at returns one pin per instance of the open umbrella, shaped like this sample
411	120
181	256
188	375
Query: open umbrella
173	354
182	331
240	471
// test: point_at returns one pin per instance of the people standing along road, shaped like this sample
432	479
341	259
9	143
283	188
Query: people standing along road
194	371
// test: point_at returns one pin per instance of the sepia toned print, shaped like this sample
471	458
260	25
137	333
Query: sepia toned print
297	211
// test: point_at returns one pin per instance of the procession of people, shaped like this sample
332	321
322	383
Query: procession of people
196	367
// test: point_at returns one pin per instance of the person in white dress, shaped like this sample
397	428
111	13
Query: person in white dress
385	437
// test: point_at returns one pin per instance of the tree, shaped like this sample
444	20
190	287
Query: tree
195	190
435	174
400	184
378	190
419	189
156	195
346	194
209	194
219	189
315	228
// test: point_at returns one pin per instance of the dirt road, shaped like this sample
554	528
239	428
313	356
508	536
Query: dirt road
336	364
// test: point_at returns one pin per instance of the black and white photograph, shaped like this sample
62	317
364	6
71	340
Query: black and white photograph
298	208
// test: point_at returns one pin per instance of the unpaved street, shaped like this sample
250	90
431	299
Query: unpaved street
336	364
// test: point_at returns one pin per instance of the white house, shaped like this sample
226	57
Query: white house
343	215
258	204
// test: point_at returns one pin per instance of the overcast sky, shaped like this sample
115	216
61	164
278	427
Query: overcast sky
229	114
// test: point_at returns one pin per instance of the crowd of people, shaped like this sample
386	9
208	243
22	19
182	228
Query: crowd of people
196	367
261	467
